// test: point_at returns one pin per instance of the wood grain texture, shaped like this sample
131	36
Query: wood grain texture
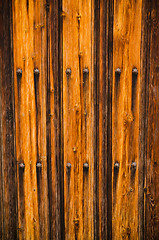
79	119
104	113
30	52
8	199
55	160
152	169
125	129
40	85
71	117
86	68
144	75
28	222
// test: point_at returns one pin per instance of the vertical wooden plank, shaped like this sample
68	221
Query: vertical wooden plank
25	117
145	50
104	101
78	75
152	169
8	165
95	121
40	80
35	232
55	161
71	118
126	86
86	75
17	93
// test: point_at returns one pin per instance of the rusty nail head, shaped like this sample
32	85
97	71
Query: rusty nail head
116	166
135	71
38	165
36	71
133	166
68	71
19	72
68	165
85	71
21	165
118	71
86	166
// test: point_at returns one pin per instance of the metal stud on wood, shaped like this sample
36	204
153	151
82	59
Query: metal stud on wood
36	72
118	71
19	72
22	165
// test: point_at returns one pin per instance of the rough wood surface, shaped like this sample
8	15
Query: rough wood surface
152	133
125	110
8	197
79	119
30	53
55	162
103	115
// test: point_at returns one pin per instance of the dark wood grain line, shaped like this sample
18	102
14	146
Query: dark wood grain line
7	124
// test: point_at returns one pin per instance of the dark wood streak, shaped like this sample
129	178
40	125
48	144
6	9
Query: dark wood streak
21	201
8	163
55	170
152	164
104	75
95	123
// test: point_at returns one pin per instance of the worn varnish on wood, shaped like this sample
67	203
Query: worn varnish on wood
79	119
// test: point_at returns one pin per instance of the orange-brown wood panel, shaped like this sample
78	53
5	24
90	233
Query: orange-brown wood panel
30	117
152	127
40	94
125	110
85	41
86	119
71	119
77	118
25	119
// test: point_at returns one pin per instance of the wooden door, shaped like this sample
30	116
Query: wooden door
79	119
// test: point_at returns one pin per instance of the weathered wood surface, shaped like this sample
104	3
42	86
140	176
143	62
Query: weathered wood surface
8	179
79	119
152	133
125	110
30	57
103	77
